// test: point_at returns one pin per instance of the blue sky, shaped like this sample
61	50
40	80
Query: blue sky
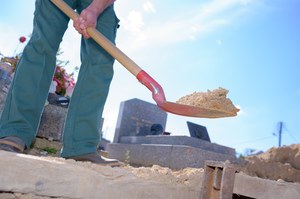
250	47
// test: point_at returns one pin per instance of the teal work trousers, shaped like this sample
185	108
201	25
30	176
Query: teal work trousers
29	89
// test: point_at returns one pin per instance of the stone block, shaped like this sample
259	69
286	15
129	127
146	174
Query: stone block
2	99
178	140
172	156
52	122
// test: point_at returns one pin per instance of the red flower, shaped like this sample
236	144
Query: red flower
22	39
65	82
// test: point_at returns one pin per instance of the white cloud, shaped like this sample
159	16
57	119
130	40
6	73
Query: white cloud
134	22
182	26
149	7
246	2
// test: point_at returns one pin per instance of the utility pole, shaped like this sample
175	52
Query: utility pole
280	133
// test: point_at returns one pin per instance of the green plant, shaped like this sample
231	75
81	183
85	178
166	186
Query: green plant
50	150
127	157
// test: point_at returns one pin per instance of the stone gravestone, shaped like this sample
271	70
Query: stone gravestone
52	122
198	131
136	118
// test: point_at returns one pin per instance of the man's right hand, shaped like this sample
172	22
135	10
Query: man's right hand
87	18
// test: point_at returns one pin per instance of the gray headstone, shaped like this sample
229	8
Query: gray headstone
198	131
136	118
52	122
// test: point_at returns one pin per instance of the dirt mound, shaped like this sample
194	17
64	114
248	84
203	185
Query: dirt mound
276	163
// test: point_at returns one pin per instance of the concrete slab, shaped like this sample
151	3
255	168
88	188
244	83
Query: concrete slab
178	140
172	156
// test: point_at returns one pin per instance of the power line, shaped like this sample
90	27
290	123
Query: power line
281	127
290	134
296	140
250	141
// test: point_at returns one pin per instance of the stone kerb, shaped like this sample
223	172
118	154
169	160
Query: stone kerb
178	140
172	156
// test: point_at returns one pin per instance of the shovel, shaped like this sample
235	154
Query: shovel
157	91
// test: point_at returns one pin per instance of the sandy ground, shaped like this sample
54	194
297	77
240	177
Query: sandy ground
275	164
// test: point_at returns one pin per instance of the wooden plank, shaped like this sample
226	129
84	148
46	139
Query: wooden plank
262	188
57	177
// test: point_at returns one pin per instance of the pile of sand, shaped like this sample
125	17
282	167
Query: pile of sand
215	99
275	164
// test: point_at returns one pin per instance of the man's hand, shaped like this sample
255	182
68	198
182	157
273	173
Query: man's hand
87	18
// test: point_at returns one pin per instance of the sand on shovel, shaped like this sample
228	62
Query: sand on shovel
215	99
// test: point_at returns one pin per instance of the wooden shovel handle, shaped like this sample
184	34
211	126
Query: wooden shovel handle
129	64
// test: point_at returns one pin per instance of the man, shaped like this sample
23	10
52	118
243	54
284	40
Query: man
29	90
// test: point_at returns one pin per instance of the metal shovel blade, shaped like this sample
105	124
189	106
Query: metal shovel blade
193	111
